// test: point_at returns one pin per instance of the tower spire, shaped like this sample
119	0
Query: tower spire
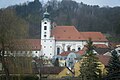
46	10
46	14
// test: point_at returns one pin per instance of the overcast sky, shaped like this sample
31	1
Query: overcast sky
111	3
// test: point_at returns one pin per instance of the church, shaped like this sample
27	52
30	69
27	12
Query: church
57	39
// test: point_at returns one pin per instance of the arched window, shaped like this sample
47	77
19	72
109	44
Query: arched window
58	51
68	48
79	48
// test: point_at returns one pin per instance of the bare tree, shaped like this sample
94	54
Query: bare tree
11	27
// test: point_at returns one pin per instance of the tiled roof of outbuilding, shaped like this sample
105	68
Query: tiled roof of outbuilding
49	70
26	44
65	53
81	52
102	51
103	59
100	46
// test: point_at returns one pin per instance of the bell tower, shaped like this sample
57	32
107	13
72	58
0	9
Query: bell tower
46	26
47	42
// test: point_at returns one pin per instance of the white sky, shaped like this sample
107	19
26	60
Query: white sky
101	3
111	3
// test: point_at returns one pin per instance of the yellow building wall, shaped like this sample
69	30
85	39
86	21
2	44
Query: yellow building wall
66	72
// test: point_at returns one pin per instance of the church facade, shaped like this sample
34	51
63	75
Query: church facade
57	39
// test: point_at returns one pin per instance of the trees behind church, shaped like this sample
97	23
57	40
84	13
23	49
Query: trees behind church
68	12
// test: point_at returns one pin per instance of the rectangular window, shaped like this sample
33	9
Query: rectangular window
45	27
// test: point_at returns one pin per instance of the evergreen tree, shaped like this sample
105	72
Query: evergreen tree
56	63
113	67
89	65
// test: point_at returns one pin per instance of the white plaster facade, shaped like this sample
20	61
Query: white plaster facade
27	53
74	45
52	47
47	42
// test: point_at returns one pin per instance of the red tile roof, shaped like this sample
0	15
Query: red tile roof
65	53
95	36
81	52
35	43
48	70
29	44
102	51
100	46
71	33
66	33
103	59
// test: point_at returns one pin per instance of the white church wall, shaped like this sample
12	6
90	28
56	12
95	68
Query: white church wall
36	53
32	53
47	42
47	23
106	43
73	45
48	47
102	42
51	47
63	45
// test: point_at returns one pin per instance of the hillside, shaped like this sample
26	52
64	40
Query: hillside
67	12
